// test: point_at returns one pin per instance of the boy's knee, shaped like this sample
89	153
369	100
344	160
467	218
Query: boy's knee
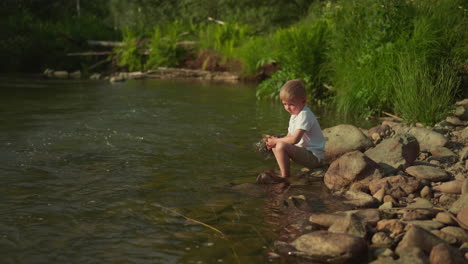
281	146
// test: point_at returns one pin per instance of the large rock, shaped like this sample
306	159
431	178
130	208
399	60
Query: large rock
420	238
342	139
350	168
395	153
360	199
428	173
427	138
396	186
330	247
351	224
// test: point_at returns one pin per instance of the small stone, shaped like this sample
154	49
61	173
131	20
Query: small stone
445	218
457	232
428	173
434	162
425	224
444	236
462	216
454	121
386	205
421	203
379	195
450	187
464	189
389	198
382	239
426	192
394	226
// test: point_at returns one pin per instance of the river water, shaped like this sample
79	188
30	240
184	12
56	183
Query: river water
92	172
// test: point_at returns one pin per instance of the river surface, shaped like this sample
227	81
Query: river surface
137	172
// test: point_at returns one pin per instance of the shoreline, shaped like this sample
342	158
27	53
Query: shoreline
407	185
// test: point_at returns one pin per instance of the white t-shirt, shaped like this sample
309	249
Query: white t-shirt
313	139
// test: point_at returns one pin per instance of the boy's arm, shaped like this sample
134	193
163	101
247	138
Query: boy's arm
290	139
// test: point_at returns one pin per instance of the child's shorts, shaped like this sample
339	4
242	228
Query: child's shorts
305	158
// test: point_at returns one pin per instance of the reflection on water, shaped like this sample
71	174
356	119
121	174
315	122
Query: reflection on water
88	168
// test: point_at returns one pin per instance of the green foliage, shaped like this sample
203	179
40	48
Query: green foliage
129	54
368	41
300	50
164	50
223	39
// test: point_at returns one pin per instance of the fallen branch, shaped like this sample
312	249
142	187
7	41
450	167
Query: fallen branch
91	53
393	116
216	21
104	43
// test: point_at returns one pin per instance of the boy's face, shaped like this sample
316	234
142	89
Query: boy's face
294	106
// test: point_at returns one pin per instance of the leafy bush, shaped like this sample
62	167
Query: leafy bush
129	54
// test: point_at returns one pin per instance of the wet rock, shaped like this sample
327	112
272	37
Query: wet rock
325	220
360	199
350	224
456	232
421	203
428	173
350	168
342	139
450	187
330	247
444	236
426	192
419	238
382	239
444	254
395	153
396	186
427	138
459	204
418	214
393	226
445	218
426	224
462	216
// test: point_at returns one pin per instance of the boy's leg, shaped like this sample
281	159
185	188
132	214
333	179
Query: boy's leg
284	152
281	151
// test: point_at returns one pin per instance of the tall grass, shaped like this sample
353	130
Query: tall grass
384	53
223	39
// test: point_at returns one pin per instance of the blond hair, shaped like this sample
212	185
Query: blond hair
293	89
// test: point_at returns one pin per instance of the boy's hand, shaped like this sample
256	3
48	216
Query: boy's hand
271	142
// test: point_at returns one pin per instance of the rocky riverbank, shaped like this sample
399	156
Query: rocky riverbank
407	185
159	73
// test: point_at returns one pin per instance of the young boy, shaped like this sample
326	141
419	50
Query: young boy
304	143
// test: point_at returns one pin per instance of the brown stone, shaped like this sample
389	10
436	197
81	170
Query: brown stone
444	254
394	226
396	186
350	168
